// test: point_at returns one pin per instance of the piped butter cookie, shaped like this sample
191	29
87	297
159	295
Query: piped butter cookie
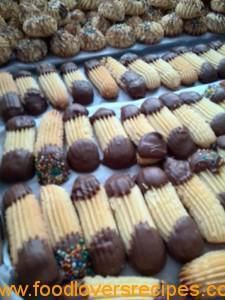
172	24
113	10
135	7
218	46
120	36
189	9
216	22
196	26
31	50
40	26
149	32
91	39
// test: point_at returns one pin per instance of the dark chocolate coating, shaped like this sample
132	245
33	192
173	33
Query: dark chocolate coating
221	141
207	73
119	185
17	165
215	44
180	143
10	106
203	160
134	84
190	97
45	68
68	67
221	69
218	124
150	58
200	49
82	92
185	242
151	105
147	252
219	95
119	154
35	102
22	73
73	111
168	56
151	177
85	187
129	111
178	171
20	122
152	146
15	193
181	50
107	253
128	59
36	262
102	113
171	100
91	64
83	156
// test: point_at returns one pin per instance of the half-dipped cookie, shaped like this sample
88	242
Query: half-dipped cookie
218	46
196	26
216	94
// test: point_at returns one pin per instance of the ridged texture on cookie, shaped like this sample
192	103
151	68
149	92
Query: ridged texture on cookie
196	26
221	48
149	32
189	9
40	26
6	50
135	7
91	39
88	4
7	84
218	6
112	10
163	4
216	22
71	73
172	24
135	225
120	36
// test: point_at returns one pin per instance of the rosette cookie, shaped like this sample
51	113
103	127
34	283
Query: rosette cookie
200	131
135	7
91	39
218	6
112	10
120	36
31	50
65	234
132	83
218	46
172	24
31	96
101	234
40	26
149	32
216	22
102	79
149	73
151	147
10	105
118	150
88	4
189	9
144	246
205	271
80	89
18	160
169	76
6	50
186	71
53	86
82	152
166	123
31	254
197	26
206	72
198	198
211	112
179	231
50	160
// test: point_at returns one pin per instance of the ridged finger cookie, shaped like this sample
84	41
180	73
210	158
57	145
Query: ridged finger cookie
218	46
216	94
101	234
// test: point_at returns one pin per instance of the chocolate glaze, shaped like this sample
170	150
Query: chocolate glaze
120	153
203	160
171	100
215	44
35	102
10	106
207	73
180	143
83	156
178	171
221	69
36	262
190	97
168	56
200	49
119	185
73	111
185	242
22	73
150	58
218	124
102	113
219	95
20	122
129	111
45	68
151	105
152	146
82	92
68	67
181	50
91	64
85	187
15	193
151	177
134	84
107	253
17	165
221	141
128	59
147	251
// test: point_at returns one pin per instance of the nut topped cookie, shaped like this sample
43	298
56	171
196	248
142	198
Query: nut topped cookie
91	39
149	32
172	24
113	10
6	51
40	26
216	22
135	7
196	26
31	50
120	36
189	9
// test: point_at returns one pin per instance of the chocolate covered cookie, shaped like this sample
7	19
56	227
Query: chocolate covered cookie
172	24
216	94
120	36
149	32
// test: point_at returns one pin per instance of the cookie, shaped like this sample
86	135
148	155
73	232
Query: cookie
88	4
5	51
216	22
196	26
149	32
102	79
153	14
132	83
162	4
12	34
58	10
168	75
9	99
113	10
179	141
133	22
91	39
65	234
172	25
100	231
31	50
31	96
100	23
18	160
53	86
135	7
198	198
218	6
201	132
78	86
120	36
216	95
40	26
218	46
220	143
151	147
82	152
189	9
50	161
118	150
186	71
139	66
177	228
31	254
70	4
206	72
